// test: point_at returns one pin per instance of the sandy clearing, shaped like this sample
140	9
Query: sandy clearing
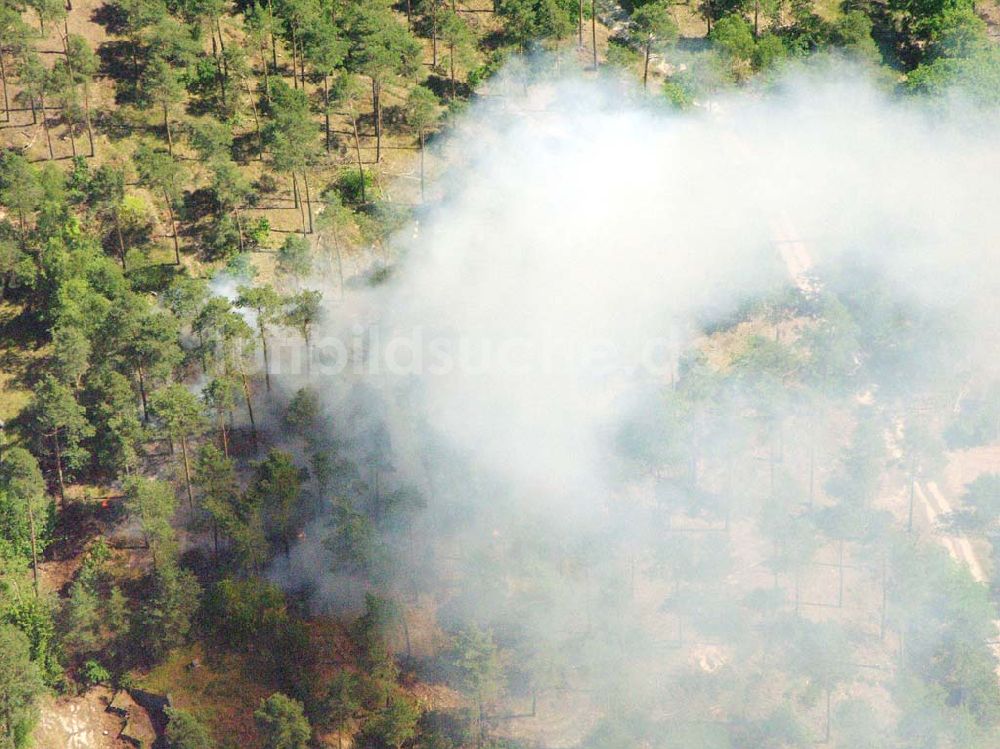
79	723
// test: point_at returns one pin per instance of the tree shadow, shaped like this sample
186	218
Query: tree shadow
245	147
896	49
693	44
441	86
393	115
117	63
112	17
21	332
20	327
494	39
153	276
113	124
199	204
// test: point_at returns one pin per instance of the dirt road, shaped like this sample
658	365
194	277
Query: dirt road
795	255
935	505
793	252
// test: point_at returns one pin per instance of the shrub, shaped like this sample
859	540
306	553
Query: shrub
349	186
94	673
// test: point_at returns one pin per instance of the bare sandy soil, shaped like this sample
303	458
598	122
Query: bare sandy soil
79	723
965	465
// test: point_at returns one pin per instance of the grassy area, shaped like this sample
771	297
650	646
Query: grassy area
13	398
690	22
19	354
828	10
219	691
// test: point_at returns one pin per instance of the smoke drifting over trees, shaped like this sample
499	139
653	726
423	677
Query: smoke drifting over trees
640	413
499	374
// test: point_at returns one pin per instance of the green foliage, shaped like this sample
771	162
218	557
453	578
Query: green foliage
34	617
733	35
80	621
141	341
819	652
527	21
289	135
977	420
352	541
395	723
277	489
341	701
241	266
944	617
768	51
184	731
225	341
349	186
295	257
610	735
923	20
110	403
458	41
245	612
185	296
167	615
781	728
304	311
94	673
421	108
763	368
833	346
222	239
48	11
26	512
19	188
263	300
61	425
161	84
159	171
324	47
654	26
373	627
859	726
178	409
379	46
70	355
977	77
13	28
153	504
476	665
20	684
212	139
653	23
113	348
215	477
862	461
282	723
679	95
303	412
981	506
229	184
227	513
853	32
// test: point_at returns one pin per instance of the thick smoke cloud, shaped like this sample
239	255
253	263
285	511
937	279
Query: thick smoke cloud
580	243
583	236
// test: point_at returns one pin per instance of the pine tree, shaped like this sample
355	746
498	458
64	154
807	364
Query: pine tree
183	418
22	480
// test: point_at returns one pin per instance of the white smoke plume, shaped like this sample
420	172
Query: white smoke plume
581	240
583	236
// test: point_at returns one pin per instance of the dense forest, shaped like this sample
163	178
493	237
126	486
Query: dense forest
221	525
